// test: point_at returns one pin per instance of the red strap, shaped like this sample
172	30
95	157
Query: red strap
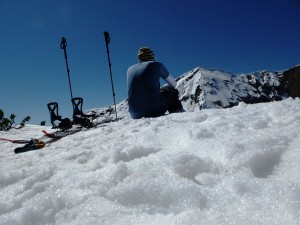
15	141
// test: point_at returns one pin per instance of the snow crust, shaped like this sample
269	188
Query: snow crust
219	166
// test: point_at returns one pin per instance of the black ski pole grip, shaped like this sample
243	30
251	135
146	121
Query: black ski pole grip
107	38
63	43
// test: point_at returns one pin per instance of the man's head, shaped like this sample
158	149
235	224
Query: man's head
145	54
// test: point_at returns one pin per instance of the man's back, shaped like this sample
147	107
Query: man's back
143	87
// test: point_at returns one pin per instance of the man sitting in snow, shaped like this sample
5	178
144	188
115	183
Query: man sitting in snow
145	98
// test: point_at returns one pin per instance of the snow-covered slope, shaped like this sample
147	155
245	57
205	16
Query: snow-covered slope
219	166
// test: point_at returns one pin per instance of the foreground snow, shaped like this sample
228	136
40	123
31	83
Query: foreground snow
217	166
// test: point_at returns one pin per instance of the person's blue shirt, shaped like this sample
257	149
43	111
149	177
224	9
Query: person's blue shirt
143	85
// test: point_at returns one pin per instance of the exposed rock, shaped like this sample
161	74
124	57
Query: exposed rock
292	77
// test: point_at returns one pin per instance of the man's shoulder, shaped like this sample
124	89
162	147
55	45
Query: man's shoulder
154	64
133	67
149	64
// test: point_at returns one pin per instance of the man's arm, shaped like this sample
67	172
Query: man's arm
164	73
171	81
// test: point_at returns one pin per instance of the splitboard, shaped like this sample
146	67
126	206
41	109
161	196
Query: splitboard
61	133
33	144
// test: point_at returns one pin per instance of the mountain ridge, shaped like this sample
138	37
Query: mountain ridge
202	88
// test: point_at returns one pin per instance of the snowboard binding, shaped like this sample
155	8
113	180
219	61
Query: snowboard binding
78	116
64	124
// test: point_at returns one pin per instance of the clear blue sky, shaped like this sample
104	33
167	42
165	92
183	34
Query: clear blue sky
233	35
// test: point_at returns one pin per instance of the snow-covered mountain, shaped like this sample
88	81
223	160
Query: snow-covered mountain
203	88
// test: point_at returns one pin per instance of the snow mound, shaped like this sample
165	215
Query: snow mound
219	166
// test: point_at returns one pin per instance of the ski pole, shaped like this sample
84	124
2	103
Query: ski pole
63	45
107	41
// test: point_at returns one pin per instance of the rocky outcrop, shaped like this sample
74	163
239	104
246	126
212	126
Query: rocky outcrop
292	77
